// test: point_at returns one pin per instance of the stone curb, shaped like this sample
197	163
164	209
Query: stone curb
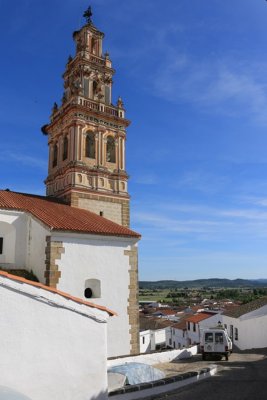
145	390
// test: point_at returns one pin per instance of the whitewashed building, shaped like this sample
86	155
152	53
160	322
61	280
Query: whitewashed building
151	340
76	251
247	324
189	329
52	345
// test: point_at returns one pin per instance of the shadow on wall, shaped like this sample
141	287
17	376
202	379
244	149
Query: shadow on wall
10	394
184	354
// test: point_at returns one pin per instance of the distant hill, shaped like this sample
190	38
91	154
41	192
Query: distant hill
200	283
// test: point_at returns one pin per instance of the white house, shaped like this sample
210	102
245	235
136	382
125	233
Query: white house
151	340
189	329
52	345
76	251
247	324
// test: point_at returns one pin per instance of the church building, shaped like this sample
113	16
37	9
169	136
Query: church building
77	239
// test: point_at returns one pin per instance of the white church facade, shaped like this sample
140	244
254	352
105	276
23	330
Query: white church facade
77	239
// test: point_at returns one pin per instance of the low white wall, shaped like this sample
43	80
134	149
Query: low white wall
156	358
51	347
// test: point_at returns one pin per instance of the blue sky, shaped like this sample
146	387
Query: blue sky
192	75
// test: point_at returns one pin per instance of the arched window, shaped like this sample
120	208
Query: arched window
111	155
65	148
90	145
93	45
94	88
55	151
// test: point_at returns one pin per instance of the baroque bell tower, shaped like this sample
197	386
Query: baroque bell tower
87	133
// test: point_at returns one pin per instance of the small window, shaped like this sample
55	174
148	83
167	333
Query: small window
173	345
1	245
101	213
236	334
188	326
143	340
194	327
170	342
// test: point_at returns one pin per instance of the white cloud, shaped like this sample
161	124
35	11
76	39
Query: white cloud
215	86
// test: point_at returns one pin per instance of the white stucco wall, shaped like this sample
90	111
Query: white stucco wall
251	332
98	257
178	338
86	257
51	347
145	341
158	337
13	228
37	233
24	242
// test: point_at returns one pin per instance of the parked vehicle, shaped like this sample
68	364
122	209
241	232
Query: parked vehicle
215	341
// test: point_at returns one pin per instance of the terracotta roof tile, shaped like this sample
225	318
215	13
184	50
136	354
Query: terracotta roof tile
246	308
61	217
199	317
50	289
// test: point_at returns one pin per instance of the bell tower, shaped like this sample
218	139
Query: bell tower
87	133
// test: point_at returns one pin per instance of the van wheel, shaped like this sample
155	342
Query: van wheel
226	357
203	356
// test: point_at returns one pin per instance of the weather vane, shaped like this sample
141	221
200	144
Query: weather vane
88	14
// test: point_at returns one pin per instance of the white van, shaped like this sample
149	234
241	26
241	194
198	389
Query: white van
215	341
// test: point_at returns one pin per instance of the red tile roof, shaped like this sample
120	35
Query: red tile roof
199	317
50	289
61	217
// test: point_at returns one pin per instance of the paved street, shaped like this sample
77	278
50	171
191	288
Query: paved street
243	377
